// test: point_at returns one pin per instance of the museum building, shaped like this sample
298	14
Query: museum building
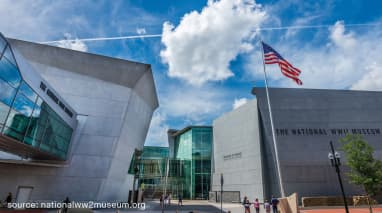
70	122
305	121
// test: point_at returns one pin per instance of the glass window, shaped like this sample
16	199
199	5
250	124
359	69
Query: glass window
7	93
4	109
9	73
27	91
13	134
23	105
3	43
8	54
56	133
17	124
36	126
19	117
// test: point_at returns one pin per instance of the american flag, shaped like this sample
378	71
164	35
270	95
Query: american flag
273	57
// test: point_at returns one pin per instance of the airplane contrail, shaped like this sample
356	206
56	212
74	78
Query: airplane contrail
104	38
160	35
314	26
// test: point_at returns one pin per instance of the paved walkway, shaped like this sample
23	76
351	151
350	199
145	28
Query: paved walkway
153	206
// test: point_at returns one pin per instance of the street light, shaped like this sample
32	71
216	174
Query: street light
334	158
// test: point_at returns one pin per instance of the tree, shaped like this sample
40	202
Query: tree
365	170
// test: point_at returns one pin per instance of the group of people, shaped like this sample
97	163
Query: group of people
256	205
166	200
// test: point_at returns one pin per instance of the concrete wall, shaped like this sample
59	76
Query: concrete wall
113	121
237	152
303	155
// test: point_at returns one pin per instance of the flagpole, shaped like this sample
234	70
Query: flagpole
272	127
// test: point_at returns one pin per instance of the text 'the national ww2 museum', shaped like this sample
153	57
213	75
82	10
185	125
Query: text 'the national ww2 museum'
305	121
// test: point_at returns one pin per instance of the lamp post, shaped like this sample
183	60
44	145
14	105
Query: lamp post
334	158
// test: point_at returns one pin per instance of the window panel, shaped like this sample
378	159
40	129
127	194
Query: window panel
3	43
23	105
26	90
56	137
8	54
18	122
4	109
9	73
7	93
61	143
13	134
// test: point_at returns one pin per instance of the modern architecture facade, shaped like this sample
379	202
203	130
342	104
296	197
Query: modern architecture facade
193	147
305	121
152	171
238	154
70	122
182	169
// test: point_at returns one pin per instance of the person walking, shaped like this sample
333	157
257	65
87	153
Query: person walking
274	203
267	206
8	199
247	205
169	198
161	201
66	205
256	205
180	200
166	199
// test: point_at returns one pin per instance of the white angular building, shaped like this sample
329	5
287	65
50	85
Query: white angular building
104	104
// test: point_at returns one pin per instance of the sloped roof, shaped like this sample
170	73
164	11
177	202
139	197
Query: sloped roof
130	74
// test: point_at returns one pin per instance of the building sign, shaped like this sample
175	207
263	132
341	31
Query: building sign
232	156
327	132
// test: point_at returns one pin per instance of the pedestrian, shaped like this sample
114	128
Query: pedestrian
247	205
267	206
66	204
165	199
256	205
8	199
161	201
180	200
169	199
274	203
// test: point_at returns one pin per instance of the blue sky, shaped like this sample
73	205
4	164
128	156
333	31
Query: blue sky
208	57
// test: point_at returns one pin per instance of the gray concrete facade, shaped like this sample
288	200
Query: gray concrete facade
305	121
114	100
237	152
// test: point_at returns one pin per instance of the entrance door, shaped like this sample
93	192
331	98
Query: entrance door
23	194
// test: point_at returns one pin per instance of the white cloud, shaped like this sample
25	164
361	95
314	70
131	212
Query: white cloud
74	45
372	80
239	102
202	46
157	135
340	38
349	59
141	31
195	106
38	21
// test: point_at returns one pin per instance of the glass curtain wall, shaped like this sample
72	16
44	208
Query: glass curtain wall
201	161
189	172
194	149
24	116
